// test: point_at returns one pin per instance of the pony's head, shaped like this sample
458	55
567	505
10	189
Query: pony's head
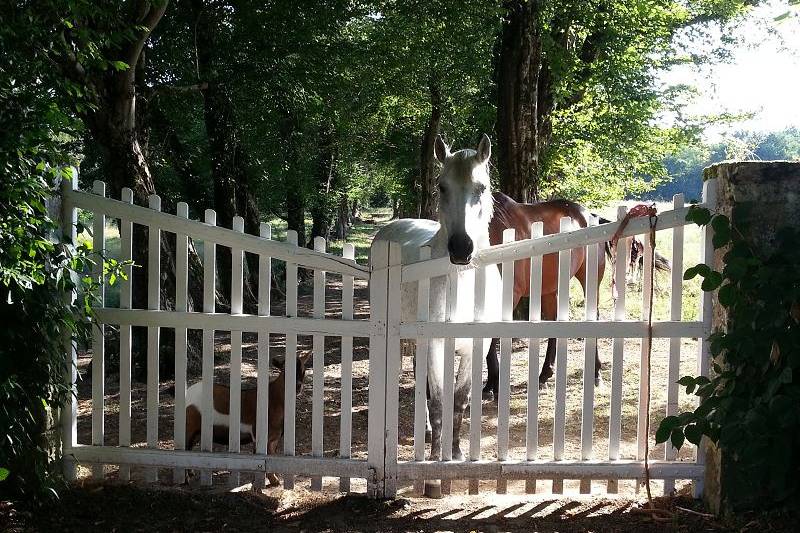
465	198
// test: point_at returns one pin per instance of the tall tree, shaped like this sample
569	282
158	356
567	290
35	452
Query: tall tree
577	96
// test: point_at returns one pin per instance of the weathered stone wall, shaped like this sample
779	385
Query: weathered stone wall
767	194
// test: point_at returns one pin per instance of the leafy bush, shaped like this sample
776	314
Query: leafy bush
749	407
35	274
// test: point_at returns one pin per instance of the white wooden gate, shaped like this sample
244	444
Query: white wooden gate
381	465
387	277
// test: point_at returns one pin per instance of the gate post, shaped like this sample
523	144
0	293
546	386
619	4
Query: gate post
774	187
376	420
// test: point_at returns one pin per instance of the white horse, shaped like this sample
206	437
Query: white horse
465	208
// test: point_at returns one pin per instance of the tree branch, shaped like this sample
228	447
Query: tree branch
149	20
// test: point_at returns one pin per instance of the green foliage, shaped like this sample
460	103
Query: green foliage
749	406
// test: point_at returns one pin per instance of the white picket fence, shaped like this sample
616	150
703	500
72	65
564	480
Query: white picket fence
382	468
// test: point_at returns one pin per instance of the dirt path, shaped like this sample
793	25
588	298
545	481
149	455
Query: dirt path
113	507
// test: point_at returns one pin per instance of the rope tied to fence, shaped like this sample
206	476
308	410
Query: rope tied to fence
639	210
650	211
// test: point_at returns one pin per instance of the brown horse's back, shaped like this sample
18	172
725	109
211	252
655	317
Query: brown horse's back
511	214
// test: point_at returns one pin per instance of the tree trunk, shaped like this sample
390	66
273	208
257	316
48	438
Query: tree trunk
520	120
428	203
229	170
341	227
325	201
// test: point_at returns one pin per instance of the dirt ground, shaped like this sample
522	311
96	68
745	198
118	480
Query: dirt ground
113	507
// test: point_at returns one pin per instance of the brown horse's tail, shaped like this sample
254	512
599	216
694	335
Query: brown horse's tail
607	244
661	263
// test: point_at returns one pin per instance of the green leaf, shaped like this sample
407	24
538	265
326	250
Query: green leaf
690	273
4	473
693	433
120	65
677	438
786	375
686	380
727	295
665	428
712	281
698	215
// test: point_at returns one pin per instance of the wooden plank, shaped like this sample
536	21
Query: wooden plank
562	314
209	306
153	332
393	367
534	315
478	354
98	332
235	409
703	363
589	352
346	419
421	370
644	363
303	465
546	245
224	322
222	236
181	338
448	375
290	363
555	470
69	417
376	422
676	303
615	417
318	387
504	389
125	255
547	329
263	363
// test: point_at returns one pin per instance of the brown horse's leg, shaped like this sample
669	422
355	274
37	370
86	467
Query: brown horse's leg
493	368
548	313
580	274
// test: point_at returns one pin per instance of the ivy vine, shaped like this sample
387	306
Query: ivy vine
750	406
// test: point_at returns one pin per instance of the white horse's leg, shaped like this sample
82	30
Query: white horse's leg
461	395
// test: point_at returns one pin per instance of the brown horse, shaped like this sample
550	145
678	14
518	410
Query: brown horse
511	214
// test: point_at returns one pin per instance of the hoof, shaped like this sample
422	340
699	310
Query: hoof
457	455
598	381
543	385
272	480
433	489
488	395
428	435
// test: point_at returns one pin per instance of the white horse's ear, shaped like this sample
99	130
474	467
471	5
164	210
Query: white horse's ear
484	149
440	149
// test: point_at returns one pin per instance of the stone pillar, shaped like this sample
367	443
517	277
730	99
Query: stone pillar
767	193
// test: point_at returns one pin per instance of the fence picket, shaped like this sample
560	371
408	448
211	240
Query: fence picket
209	306
290	363
534	315
262	365
707	250
615	416
644	364
235	409
125	254
346	419
317	412
590	350
376	421
504	389
69	419
559	419
393	368
676	301
478	354
181	338
153	332
421	369
98	331
448	375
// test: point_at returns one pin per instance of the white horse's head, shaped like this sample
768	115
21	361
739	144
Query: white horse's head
465	198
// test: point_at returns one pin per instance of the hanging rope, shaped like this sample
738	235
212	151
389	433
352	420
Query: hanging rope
642	210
